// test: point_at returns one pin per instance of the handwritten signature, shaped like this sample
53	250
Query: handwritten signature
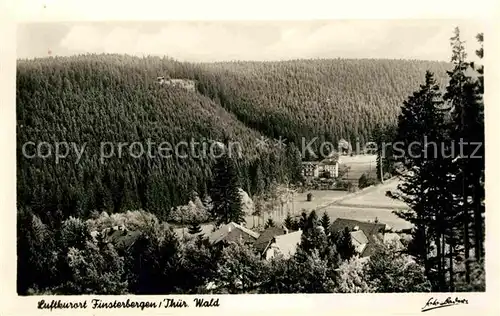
434	303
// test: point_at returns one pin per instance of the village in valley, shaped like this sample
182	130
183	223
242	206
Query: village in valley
157	202
369	208
363	212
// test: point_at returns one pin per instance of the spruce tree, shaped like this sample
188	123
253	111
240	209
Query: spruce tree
294	163
477	102
270	223
384	137
226	199
455	97
424	186
258	179
315	240
312	221
325	222
345	246
303	220
464	95
289	222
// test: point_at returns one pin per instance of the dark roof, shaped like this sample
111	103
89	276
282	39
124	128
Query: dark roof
123	239
266	236
372	231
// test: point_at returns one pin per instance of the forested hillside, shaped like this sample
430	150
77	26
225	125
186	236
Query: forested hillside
97	99
326	98
109	98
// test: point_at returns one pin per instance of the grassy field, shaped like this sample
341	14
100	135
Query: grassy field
368	204
321	198
365	205
375	197
358	165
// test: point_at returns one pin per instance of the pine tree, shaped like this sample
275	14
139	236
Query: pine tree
325	222
303	220
258	184
289	222
384	137
345	246
226	199
294	163
464	95
312	221
455	97
425	185
270	223
478	191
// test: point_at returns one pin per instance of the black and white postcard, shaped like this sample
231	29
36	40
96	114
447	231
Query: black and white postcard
248	164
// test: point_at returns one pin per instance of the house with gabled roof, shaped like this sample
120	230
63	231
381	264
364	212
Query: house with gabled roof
233	232
266	237
359	240
364	235
314	169
121	237
330	165
284	245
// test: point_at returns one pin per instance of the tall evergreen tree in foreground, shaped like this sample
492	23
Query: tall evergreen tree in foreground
424	186
445	183
226	199
464	95
478	177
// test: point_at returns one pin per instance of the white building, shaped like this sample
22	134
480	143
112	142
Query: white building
285	245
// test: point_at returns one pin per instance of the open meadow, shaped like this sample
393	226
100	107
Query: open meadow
365	205
321	198
374	196
368	204
358	165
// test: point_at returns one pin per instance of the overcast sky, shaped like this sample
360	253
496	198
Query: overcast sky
216	41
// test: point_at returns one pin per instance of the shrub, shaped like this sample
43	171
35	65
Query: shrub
351	277
189	213
365	181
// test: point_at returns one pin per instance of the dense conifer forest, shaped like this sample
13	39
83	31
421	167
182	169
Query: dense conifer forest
116	98
326	98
